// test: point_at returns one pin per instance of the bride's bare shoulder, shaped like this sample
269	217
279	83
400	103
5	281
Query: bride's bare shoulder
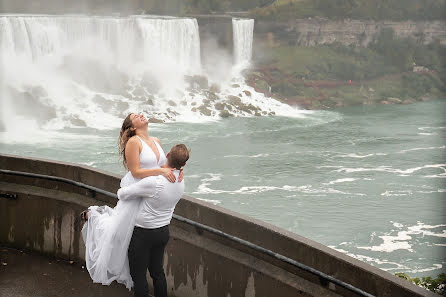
157	140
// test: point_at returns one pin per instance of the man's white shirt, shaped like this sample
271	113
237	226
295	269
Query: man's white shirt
159	199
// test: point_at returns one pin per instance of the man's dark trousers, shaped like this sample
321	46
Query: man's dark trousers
146	251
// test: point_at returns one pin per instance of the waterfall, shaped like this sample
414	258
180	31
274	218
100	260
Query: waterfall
88	71
34	37
242	35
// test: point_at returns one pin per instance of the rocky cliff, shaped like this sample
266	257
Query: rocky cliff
315	31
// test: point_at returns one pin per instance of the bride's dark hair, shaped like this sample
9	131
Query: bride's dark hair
124	136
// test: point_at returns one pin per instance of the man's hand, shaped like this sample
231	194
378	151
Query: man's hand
167	173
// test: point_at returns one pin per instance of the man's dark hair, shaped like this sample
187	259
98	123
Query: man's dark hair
178	156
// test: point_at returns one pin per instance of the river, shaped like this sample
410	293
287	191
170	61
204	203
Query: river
368	181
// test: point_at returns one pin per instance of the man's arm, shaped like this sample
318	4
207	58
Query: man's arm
141	189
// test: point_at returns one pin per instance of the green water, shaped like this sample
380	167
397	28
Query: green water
368	181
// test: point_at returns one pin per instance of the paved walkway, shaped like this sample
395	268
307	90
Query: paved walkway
26	275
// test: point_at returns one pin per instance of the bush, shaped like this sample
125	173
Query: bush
356	9
436	285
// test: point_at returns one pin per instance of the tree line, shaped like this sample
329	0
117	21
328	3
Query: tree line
270	9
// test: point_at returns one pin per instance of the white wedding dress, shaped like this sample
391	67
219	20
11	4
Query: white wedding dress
108	231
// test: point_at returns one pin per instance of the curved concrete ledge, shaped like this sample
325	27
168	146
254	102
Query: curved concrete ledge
44	218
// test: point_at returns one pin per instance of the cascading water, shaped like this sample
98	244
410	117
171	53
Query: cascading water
242	36
79	71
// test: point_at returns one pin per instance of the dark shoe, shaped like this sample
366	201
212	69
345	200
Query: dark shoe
84	215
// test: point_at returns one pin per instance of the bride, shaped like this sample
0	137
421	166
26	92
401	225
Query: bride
107	231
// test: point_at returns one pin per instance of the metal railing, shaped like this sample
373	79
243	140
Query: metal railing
323	276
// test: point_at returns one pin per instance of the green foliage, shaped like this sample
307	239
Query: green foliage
356	9
436	285
388	55
385	66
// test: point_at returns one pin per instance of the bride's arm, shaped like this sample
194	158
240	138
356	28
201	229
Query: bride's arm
181	176
144	188
132	151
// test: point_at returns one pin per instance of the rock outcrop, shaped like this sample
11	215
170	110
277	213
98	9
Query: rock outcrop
315	31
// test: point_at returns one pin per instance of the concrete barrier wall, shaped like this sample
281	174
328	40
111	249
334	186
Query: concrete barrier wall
44	218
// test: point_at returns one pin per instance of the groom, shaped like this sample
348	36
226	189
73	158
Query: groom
151	233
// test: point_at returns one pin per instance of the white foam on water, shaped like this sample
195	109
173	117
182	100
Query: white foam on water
402	240
398	225
204	188
247	156
36	136
434	191
392	243
215	202
353	155
369	259
427	134
390	169
341	180
431	128
434	267
397	193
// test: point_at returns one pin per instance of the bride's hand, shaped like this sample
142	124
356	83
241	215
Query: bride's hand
181	176
167	173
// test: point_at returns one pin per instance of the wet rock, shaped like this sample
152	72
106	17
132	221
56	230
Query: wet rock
247	93
425	99
155	120
210	95
171	103
206	101
139	99
339	103
150	100
103	103
234	100
393	100
225	114
33	104
205	110
121	106
408	101
214	88
139	92
197	81
220	106
172	112
249	108
272	113
235	86
194	109
385	102
184	102
108	105
257	114
261	85
77	122
193	103
264	112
